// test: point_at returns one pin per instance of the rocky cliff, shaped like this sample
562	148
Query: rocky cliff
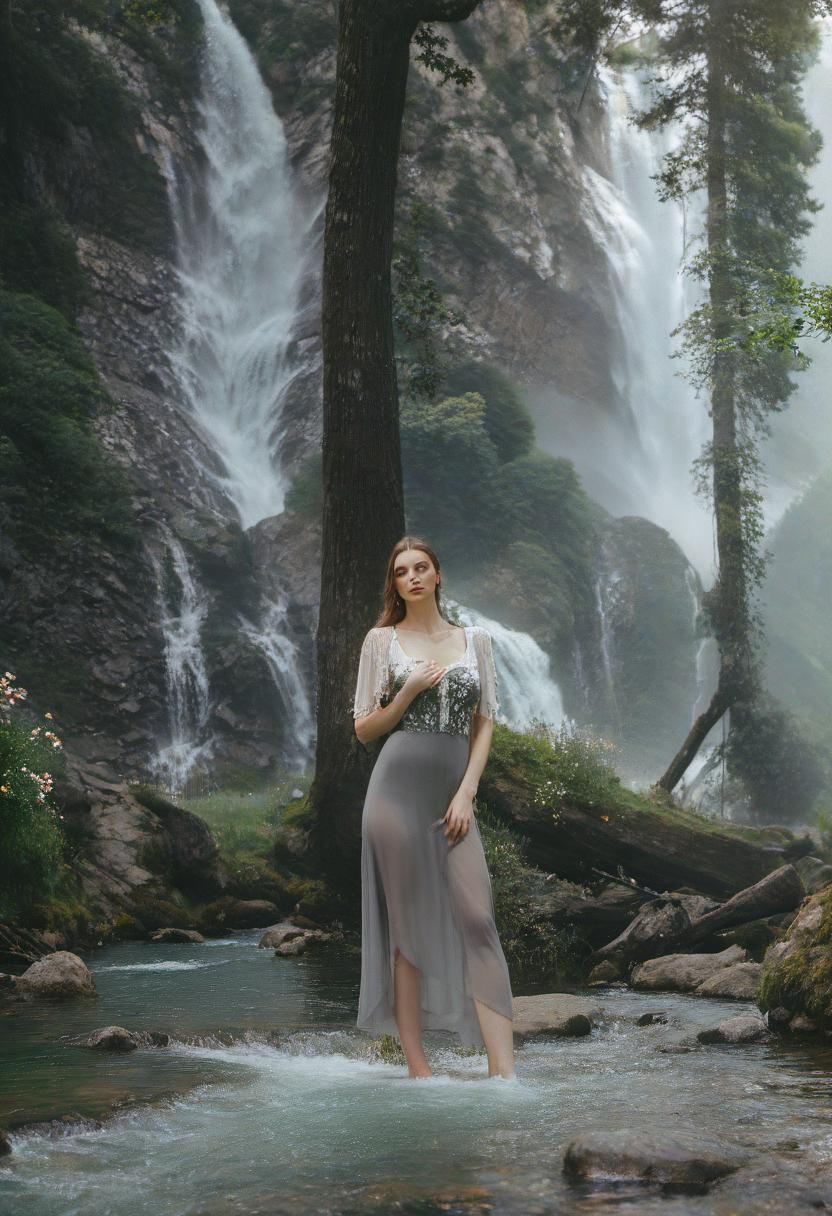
95	631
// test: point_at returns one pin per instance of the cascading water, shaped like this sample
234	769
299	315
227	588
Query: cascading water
241	242
271	638
526	689
639	461
240	237
182	611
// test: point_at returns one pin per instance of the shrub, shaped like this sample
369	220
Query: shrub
31	840
579	766
534	947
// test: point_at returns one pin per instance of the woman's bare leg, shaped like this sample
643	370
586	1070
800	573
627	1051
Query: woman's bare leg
499	1040
406	1008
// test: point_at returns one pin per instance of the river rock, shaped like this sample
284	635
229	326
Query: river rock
276	935
743	1028
558	1013
59	976
683	972
740	982
230	913
680	1159
5	1144
112	1038
186	936
606	972
795	969
292	947
800	1024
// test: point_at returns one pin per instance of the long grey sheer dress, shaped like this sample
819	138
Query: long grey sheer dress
430	900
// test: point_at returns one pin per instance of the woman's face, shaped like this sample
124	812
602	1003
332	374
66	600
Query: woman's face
415	576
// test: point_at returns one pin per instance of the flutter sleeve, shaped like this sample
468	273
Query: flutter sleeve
489	703
372	673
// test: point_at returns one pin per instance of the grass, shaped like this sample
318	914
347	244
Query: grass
242	824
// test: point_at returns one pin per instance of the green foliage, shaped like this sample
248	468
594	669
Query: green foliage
778	766
533	946
243	825
557	764
508	423
450	468
419	311
577	767
432	55
55	481
31	840
802	982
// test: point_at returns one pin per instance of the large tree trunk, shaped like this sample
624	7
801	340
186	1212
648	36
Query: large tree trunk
728	600
363	511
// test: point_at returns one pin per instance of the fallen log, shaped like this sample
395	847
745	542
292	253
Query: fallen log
672	923
780	891
663	846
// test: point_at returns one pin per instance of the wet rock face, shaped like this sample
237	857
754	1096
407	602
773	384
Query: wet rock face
58	976
744	1028
684	972
738	982
178	936
632	1156
136	843
796	981
112	1038
556	1013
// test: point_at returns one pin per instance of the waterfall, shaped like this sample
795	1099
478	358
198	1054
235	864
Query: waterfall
240	239
271	638
526	689
665	426
182	609
604	600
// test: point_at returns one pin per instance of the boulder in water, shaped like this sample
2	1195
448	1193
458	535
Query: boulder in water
276	935
185	936
59	976
230	913
683	972
744	1028
292	946
796	974
5	1144
558	1013
739	982
112	1038
671	1159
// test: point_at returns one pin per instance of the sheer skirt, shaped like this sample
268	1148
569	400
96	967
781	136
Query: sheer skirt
432	902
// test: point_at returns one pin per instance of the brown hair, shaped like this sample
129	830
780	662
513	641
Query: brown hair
393	609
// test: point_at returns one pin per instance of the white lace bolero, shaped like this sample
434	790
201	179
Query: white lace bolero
375	671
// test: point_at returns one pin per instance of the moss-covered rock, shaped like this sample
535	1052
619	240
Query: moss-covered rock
797	971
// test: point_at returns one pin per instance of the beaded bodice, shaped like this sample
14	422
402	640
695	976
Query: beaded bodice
449	704
467	686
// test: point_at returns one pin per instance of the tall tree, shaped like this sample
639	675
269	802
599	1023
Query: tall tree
363	508
727	74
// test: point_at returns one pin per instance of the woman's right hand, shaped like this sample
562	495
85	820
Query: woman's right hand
424	675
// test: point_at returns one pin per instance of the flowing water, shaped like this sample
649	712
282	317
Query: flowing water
241	237
269	1101
527	691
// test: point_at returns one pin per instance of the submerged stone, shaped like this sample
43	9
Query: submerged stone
558	1013
680	1159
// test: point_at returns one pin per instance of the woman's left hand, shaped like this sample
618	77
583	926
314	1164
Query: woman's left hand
458	817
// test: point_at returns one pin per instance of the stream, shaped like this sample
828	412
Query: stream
269	1101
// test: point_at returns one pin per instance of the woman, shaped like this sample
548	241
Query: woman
431	958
